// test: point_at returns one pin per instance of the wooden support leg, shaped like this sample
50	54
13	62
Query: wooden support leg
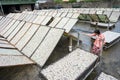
70	44
78	41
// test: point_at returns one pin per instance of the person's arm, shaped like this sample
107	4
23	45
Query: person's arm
93	34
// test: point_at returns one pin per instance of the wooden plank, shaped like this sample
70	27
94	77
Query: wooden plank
40	13
30	16
55	22
75	15
3	39
1	17
17	15
47	46
7	27
99	12
80	11
19	35
46	20
23	41
114	16
3	42
22	16
54	14
35	11
35	41
75	10
5	23
85	12
92	11
2	23
10	15
62	23
106	25
69	15
109	9
2	20
64	14
16	30
14	61
58	14
70	24
111	36
9	52
33	18
47	13
6	46
26	17
108	13
11	29
39	19
51	13
70	67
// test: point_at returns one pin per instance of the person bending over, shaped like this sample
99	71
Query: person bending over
98	43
